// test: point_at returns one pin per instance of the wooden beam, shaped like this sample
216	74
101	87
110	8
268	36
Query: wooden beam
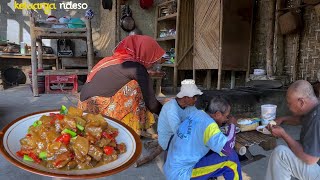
270	35
175	69
295	63
118	14
64	72
19	56
40	53
278	45
220	45
250	42
60	30
208	79
33	57
90	54
184	55
233	80
44	35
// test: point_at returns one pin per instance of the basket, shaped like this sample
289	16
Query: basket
289	22
247	127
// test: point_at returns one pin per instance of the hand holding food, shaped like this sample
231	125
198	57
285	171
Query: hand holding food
276	131
272	123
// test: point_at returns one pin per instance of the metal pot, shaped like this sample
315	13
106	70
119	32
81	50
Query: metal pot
127	22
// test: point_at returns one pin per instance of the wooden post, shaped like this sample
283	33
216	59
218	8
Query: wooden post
208	79
250	44
33	57
220	46
233	80
118	12
270	35
90	54
40	56
175	69
193	71
295	57
278	45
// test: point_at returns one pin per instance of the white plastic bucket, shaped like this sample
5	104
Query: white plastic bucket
268	113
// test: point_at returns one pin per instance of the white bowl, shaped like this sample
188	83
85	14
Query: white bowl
10	144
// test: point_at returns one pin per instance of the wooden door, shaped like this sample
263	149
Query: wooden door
206	34
237	18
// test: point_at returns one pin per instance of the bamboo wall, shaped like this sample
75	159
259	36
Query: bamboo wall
207	34
301	50
185	35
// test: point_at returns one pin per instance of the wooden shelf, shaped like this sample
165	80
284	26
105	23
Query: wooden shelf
64	72
165	3
39	33
169	38
168	17
20	56
167	65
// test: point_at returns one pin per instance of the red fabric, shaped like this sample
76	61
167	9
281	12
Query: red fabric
137	48
145	4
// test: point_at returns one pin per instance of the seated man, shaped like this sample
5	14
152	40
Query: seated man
199	150
300	159
176	110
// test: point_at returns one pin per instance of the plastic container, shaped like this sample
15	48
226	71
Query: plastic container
268	113
259	72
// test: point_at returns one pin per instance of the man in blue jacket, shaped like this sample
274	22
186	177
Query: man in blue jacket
199	150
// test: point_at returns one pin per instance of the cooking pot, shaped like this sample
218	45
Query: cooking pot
127	22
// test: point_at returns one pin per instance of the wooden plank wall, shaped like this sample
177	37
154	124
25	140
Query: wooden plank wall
206	38
185	35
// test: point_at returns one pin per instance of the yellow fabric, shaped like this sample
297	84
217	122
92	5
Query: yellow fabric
208	169
135	125
210	131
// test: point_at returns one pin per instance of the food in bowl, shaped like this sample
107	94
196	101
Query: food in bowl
244	121
248	124
71	140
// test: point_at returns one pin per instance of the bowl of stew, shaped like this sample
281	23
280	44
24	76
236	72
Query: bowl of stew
61	145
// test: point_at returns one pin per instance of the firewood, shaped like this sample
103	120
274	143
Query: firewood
156	151
151	144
